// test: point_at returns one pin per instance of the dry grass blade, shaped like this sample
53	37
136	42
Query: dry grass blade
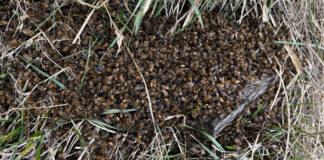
164	157
57	9
145	86
195	7
188	18
84	151
218	146
77	37
293	58
205	148
265	12
113	111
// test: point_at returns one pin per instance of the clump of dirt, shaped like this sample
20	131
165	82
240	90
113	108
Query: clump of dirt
198	75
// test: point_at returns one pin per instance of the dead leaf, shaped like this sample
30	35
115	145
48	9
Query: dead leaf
293	58
120	39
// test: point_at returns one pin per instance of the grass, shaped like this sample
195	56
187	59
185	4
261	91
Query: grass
301	137
51	15
12	134
164	157
210	137
43	73
196	109
112	111
300	44
86	67
102	125
206	148
197	12
236	7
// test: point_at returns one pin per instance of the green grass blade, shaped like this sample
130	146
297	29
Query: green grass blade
198	13
37	157
138	21
218	145
159	130
233	148
304	119
113	111
122	30
25	86
139	17
95	42
196	108
161	7
72	55
213	5
257	111
164	157
8	120
10	135
100	123
31	145
80	51
27	150
124	24
202	145
237	5
58	8
86	66
43	73
79	137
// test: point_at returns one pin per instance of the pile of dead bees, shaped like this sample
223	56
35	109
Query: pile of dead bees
199	73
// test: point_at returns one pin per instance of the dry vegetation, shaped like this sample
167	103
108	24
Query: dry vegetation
300	131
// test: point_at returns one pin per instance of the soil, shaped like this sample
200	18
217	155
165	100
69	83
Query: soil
208	68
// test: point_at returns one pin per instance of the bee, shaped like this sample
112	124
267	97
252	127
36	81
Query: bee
165	93
153	83
207	98
3	23
220	85
184	99
238	141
